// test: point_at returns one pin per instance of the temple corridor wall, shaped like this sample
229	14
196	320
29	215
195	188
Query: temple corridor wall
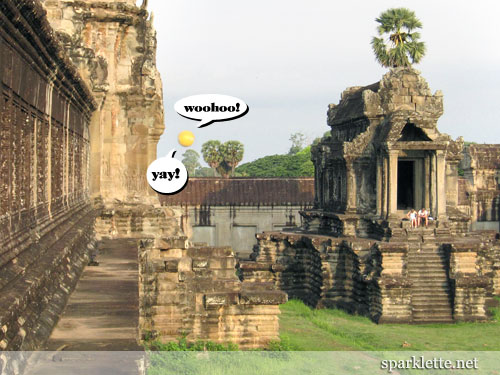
45	110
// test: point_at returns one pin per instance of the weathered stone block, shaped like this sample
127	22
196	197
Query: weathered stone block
215	300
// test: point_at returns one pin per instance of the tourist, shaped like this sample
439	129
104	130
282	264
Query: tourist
412	215
423	214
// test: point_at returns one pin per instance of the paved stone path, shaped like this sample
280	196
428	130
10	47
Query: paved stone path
103	311
101	316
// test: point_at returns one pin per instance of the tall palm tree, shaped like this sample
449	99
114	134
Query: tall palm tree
402	42
211	154
233	154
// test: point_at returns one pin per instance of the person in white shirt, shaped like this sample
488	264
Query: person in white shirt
423	215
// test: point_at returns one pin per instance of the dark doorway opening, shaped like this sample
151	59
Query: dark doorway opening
406	196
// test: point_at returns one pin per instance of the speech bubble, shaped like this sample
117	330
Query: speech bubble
167	175
211	108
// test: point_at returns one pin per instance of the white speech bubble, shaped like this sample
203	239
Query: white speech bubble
211	108
167	175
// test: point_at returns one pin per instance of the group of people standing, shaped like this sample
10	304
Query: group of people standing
417	218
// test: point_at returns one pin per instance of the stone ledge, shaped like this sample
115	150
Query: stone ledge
209	252
471	281
177	242
216	300
263	297
394	282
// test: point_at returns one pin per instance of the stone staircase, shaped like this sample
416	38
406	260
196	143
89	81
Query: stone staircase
430	290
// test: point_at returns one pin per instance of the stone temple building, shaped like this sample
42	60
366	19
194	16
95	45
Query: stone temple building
386	156
356	250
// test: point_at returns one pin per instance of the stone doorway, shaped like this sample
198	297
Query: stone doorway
411	184
406	184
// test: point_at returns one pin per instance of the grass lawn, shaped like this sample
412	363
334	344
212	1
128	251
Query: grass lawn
303	328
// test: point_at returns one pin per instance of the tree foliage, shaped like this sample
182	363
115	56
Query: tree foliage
298	142
223	158
297	165
232	152
211	153
402	43
191	161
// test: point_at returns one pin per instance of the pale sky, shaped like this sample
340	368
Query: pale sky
288	59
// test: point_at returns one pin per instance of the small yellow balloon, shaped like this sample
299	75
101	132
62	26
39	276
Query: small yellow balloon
186	138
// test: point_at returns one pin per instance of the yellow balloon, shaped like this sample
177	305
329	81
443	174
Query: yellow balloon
186	138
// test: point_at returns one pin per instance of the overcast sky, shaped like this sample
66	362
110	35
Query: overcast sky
288	59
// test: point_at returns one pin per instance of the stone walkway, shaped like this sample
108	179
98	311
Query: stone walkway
103	311
100	320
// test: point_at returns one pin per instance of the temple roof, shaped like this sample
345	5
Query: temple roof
213	191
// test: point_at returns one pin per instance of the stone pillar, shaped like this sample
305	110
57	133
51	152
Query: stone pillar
393	182
427	186
433	186
317	182
385	187
327	188
441	184
351	186
379	186
452	182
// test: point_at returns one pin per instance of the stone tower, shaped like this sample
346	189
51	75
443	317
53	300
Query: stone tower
385	155
113	45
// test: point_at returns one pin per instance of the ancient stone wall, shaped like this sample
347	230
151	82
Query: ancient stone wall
481	169
46	221
418	279
321	271
194	292
113	45
229	212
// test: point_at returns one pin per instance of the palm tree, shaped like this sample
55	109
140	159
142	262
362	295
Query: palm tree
402	43
211	154
233	154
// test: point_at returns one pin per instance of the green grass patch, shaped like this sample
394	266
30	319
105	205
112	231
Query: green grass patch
304	328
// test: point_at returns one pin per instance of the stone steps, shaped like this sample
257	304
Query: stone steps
430	303
430	288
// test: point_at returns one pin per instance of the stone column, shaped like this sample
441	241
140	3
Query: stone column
393	182
433	186
317	183
452	182
385	187
351	186
379	186
427	177
441	184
